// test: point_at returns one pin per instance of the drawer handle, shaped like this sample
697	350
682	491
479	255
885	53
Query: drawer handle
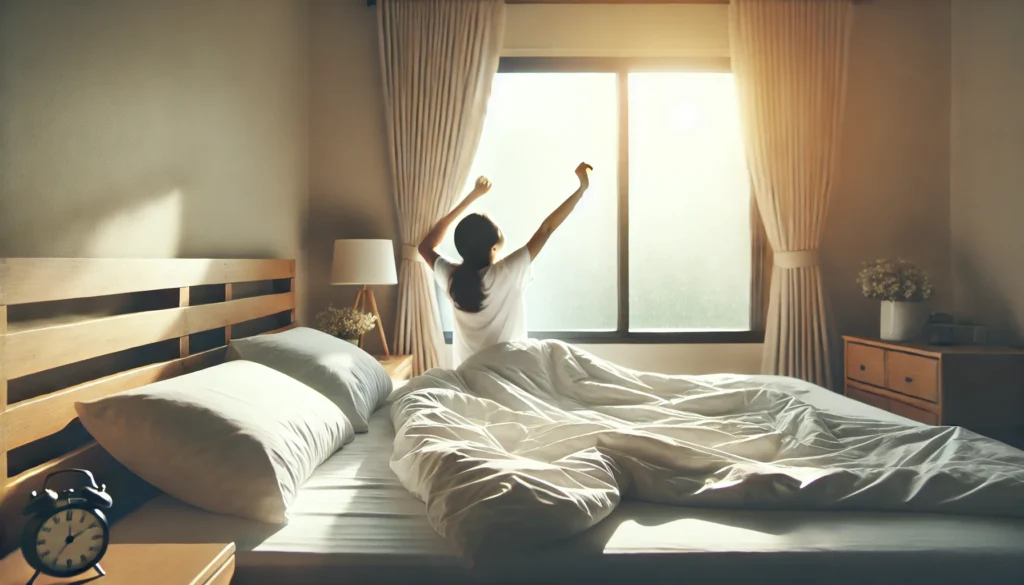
908	379
863	367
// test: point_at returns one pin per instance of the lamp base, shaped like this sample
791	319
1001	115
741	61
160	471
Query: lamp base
363	298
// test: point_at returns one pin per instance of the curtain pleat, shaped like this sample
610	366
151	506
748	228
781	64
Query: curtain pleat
438	59
789	59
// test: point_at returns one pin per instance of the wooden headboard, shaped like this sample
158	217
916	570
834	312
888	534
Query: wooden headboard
79	329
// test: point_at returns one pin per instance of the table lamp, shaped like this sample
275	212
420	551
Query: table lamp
365	263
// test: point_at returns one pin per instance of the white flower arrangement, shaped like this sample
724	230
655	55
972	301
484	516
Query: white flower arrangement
894	280
345	323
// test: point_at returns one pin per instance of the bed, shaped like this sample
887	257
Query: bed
354	522
355	519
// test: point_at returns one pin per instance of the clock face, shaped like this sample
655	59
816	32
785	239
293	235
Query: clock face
70	541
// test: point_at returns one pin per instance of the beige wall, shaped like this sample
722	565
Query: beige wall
892	192
350	192
987	167
645	30
153	129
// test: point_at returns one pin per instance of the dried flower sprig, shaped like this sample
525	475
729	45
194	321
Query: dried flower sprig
346	323
894	280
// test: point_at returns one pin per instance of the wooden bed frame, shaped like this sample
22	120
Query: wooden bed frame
186	302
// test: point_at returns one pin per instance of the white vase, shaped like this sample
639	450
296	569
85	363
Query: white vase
352	341
901	321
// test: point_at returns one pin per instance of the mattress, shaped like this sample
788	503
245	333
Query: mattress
354	522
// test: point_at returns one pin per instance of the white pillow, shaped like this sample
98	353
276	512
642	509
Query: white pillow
238	438
339	370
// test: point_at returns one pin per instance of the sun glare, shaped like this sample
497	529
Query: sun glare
688	197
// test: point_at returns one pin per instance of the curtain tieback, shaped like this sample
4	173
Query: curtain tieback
797	259
411	253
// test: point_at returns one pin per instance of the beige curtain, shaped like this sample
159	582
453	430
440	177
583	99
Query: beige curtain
789	59
438	58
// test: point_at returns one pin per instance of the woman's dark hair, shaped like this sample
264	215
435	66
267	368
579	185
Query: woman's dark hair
475	236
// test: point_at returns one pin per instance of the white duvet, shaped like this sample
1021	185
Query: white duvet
535	441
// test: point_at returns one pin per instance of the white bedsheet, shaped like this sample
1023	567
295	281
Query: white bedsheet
354	518
531	442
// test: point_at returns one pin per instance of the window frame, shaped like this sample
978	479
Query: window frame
760	252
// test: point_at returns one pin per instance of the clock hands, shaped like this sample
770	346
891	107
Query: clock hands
56	557
71	538
81	532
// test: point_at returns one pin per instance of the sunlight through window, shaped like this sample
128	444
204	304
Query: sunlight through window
689	204
688	198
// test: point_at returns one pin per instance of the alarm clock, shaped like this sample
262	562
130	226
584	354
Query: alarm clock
67	533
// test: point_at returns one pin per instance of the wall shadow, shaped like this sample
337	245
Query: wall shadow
981	302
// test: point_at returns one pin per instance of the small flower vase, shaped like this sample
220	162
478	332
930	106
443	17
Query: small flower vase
353	341
901	321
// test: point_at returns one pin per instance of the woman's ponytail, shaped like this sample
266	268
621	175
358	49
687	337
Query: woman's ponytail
475	237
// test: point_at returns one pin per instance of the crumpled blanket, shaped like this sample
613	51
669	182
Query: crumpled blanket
530	442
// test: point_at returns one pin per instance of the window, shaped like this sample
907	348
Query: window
661	246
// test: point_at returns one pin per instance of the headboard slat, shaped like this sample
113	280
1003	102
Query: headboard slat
291	325
35	350
34	280
36	418
41	470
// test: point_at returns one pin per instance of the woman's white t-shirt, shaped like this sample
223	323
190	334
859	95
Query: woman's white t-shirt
503	316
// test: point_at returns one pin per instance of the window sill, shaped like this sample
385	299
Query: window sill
614	337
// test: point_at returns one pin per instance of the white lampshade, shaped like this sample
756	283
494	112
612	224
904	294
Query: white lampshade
363	262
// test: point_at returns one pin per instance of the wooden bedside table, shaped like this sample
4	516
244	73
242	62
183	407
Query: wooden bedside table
978	387
133	564
399	367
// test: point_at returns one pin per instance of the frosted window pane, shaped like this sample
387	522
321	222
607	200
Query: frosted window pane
689	204
539	126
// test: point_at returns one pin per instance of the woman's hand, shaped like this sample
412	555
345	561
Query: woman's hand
549	225
582	173
483	185
428	247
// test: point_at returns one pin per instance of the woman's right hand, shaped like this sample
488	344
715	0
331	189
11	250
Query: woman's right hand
582	173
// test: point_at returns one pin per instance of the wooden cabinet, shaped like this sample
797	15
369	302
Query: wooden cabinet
866	397
398	367
978	387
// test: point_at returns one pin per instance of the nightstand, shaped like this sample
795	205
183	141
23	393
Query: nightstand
132	564
399	367
977	387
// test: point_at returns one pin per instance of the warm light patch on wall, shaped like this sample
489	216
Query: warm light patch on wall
151	229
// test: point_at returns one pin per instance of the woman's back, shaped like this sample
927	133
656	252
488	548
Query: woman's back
489	296
503	314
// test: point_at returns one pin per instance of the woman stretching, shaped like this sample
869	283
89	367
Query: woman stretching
489	296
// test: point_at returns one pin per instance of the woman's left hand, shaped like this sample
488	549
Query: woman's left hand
483	185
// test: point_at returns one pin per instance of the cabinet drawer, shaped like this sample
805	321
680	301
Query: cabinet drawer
865	363
867	398
913	375
913	413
